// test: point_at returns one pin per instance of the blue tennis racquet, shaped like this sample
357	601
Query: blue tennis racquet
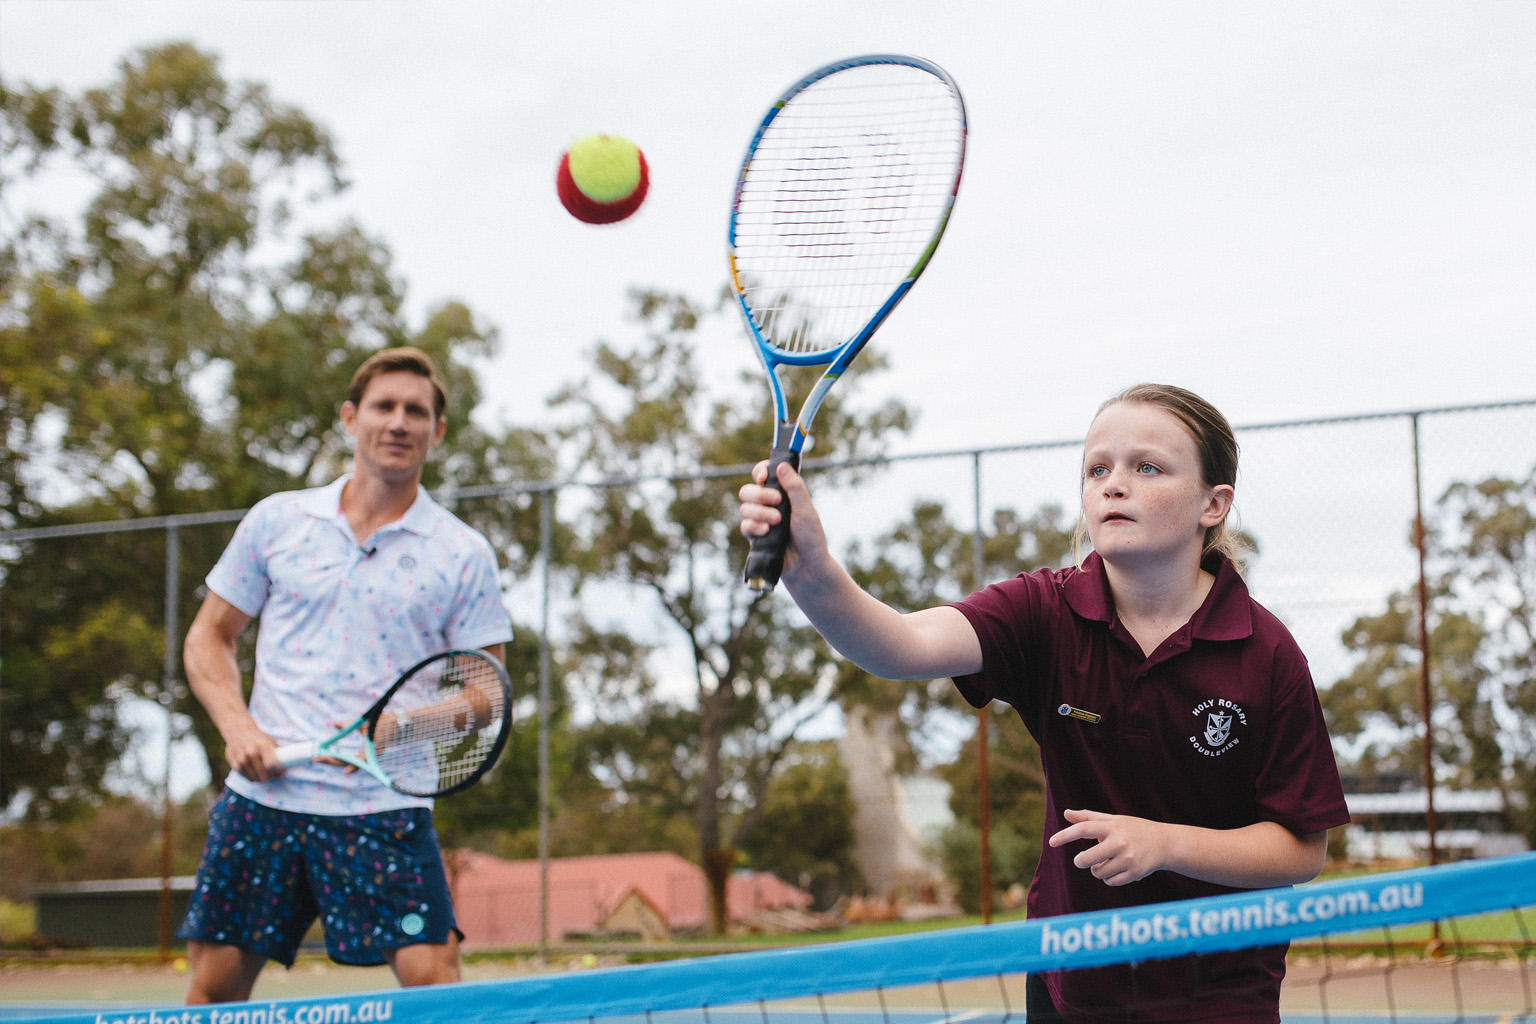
844	194
435	731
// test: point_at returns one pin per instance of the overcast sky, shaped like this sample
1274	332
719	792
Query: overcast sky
1294	208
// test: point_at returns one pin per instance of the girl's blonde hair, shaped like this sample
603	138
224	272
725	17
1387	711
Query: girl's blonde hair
1214	443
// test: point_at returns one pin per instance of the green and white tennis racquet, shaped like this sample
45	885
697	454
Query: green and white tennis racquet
437	730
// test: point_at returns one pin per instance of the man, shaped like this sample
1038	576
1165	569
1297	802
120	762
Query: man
354	582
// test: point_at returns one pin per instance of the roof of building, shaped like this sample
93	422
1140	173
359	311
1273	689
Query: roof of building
1412	801
501	897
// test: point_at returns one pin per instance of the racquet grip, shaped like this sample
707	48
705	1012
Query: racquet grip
765	562
290	754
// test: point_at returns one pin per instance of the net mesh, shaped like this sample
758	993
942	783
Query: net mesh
848	188
443	725
1451	943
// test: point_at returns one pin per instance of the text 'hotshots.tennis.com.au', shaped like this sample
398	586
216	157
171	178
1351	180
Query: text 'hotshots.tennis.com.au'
367	1011
1133	929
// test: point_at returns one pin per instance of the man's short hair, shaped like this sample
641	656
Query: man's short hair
394	360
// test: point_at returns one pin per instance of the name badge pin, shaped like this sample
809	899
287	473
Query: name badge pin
1068	711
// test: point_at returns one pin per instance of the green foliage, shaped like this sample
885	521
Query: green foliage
804	834
507	799
1482	641
1013	859
928	560
17	921
117	838
756	674
1016	791
174	350
1382	693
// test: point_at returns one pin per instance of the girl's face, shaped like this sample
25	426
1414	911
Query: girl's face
1144	500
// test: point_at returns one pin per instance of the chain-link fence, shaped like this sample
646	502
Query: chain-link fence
1329	502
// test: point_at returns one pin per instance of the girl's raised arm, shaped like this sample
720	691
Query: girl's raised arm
928	644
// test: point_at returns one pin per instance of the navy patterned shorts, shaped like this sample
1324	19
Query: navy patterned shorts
376	882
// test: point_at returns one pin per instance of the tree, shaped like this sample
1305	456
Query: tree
928	560
117	838
804	834
1482	639
1380	697
754	675
174	350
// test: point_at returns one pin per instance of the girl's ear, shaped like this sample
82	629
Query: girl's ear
1218	503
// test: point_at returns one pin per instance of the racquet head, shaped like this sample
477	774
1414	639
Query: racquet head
443	724
843	196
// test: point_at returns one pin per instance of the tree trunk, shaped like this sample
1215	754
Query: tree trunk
717	873
716	858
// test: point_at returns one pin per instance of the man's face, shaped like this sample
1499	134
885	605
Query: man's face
394	425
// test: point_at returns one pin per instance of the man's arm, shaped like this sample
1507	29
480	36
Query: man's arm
472	708
213	672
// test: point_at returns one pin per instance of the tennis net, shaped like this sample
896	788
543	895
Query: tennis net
1429	944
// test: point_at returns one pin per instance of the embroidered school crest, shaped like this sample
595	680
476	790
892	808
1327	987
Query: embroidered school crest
1223	725
1218	727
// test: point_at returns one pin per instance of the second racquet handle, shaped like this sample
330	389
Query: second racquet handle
290	754
765	562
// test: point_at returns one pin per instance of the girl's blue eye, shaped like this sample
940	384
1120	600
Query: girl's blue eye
1146	467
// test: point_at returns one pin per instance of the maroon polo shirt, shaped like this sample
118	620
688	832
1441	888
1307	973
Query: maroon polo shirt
1220	728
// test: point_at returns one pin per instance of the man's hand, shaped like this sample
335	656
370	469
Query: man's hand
253	754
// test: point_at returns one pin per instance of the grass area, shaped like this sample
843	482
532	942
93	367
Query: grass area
17	921
1501	926
870	930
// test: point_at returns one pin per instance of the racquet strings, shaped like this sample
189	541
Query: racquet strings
844	195
456	706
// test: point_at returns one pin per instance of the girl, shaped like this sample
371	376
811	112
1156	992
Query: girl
1183	745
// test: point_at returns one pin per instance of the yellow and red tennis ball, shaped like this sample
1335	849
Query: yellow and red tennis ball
602	179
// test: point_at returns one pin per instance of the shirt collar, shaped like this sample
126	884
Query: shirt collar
325	503
1223	615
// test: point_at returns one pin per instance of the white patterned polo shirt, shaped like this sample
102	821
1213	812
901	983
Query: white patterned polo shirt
341	621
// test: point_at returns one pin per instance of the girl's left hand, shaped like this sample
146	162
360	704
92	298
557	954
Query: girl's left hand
1125	849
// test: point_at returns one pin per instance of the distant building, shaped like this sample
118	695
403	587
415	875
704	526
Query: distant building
118	912
646	895
1395	825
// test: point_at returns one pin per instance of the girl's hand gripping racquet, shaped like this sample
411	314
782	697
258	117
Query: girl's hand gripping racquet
844	194
437	730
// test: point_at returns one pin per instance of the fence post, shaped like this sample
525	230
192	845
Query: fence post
1424	687
168	700
545	515
983	783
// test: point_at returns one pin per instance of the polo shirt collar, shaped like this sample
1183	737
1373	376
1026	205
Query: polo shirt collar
1223	615
325	503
